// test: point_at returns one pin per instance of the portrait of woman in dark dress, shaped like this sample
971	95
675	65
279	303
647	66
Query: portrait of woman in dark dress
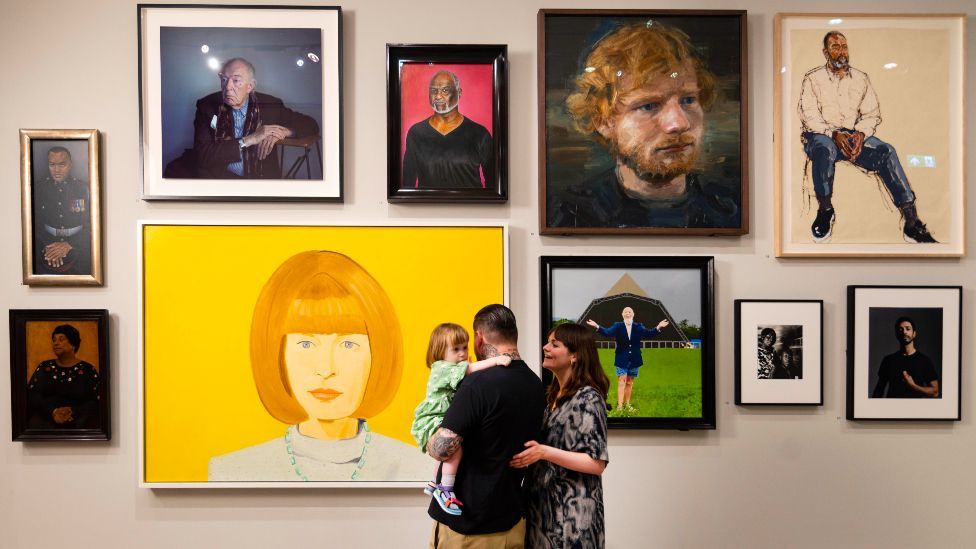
564	488
63	392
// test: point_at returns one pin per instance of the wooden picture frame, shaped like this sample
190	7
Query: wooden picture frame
917	375
611	160
779	352
284	77
680	356
67	397
883	176
61	207
477	76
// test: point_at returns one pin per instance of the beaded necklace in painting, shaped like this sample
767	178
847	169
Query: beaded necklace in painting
359	463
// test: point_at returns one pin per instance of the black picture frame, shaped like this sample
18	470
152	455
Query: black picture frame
427	57
297	55
875	313
578	174
31	330
798	332
557	272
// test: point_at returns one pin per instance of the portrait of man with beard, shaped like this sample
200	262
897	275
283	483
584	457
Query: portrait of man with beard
643	93
840	113
447	150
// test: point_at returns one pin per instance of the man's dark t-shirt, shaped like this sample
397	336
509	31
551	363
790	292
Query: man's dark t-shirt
495	411
453	161
917	365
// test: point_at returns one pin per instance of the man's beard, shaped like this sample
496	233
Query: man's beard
839	64
448	107
650	168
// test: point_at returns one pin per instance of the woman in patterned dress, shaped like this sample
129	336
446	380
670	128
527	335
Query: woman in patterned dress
564	488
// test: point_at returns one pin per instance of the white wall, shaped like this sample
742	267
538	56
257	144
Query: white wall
765	478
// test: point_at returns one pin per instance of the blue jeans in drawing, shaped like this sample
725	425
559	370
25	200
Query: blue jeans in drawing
876	157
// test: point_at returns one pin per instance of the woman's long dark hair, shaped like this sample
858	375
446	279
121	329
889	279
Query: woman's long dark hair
586	371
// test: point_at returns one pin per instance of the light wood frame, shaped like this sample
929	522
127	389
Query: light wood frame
955	245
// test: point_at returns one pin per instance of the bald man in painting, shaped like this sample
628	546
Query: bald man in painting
447	150
627	358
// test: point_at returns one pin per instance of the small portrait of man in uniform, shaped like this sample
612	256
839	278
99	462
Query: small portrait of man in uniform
61	208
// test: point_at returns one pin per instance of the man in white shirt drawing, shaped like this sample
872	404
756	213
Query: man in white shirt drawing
840	113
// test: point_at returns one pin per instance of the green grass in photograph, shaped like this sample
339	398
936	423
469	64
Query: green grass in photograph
668	384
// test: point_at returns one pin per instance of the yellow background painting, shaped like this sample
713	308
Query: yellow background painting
39	342
200	287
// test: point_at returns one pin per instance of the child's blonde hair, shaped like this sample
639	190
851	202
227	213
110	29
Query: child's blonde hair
444	336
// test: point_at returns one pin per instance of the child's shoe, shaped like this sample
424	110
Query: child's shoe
445	498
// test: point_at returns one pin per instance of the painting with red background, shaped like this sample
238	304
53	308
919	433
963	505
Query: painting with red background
476	95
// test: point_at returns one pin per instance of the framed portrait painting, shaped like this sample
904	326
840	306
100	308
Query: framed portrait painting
447	123
653	321
61	207
868	130
301	362
779	352
643	122
59	374
904	352
240	102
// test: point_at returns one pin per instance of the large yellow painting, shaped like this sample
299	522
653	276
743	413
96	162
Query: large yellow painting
287	355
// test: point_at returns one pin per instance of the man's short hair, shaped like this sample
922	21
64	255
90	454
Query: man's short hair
497	324
832	33
59	149
70	333
905	319
241	60
457	81
625	60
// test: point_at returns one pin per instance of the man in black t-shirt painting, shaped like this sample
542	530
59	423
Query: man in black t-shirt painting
494	412
447	150
908	373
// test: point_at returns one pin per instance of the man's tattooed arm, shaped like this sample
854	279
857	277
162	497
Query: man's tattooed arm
442	445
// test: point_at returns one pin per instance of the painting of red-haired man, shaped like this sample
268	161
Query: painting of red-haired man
643	123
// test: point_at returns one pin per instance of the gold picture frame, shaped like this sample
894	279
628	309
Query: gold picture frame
60	172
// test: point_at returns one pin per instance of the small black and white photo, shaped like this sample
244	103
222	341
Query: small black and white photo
905	352
780	351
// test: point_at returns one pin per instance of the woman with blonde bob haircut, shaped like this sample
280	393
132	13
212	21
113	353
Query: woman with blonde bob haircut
326	354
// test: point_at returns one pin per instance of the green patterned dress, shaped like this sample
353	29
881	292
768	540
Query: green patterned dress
441	385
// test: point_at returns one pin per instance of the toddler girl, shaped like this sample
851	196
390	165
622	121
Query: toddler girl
447	356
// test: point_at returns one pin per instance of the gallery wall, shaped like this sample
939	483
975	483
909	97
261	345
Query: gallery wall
767	477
